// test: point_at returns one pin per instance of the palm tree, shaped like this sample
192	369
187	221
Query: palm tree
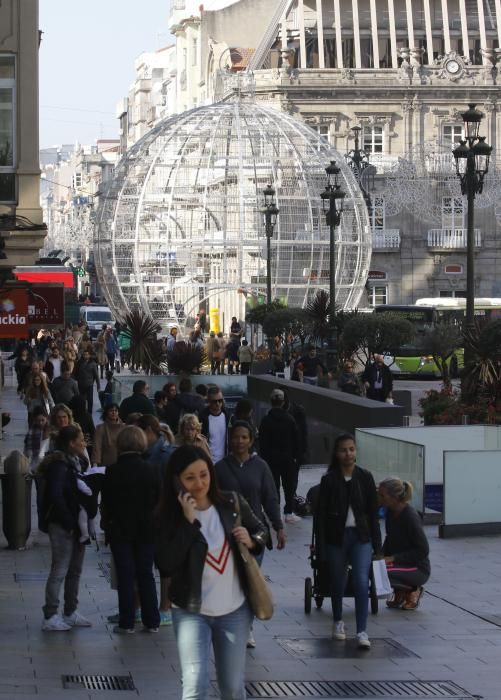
145	349
318	311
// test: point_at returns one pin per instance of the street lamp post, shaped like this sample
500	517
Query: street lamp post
472	164
270	212
332	203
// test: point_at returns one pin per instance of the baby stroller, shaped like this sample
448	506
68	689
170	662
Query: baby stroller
318	588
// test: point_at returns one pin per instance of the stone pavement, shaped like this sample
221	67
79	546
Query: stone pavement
454	636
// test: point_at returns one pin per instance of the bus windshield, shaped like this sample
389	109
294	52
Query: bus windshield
103	316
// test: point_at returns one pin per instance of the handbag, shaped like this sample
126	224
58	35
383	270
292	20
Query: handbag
381	581
259	594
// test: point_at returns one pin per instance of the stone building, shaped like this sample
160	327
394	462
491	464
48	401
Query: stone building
402	71
21	226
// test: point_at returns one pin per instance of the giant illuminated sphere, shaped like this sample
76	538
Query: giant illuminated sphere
180	226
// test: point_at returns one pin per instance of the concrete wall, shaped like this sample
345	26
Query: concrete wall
328	412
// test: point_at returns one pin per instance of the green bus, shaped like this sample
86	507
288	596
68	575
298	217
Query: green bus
408	360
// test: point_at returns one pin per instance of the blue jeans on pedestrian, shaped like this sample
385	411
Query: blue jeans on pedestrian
67	561
359	555
228	634
134	566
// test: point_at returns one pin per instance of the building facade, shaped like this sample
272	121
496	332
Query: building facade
21	225
402	71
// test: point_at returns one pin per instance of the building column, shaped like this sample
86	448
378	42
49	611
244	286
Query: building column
393	34
445	21
320	35
375	38
339	44
356	34
498	16
464	28
410	23
283	32
429	34
302	38
481	26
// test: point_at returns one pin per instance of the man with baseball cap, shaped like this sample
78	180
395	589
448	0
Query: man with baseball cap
278	441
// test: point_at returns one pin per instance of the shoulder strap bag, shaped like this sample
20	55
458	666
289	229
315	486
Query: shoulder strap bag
259	594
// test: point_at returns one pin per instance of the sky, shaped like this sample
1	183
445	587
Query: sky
87	63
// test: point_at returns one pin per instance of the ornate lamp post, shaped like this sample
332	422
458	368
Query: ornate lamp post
332	203
472	164
358	161
270	212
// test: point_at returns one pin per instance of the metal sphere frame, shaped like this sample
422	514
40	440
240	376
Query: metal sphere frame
180	227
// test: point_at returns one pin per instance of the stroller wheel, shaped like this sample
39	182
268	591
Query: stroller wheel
319	601
308	594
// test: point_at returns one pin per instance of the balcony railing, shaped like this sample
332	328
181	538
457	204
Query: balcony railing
451	238
386	239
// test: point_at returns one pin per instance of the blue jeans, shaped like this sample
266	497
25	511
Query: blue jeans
67	561
228	634
359	555
134	565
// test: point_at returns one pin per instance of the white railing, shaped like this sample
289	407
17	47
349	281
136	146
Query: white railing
387	238
451	238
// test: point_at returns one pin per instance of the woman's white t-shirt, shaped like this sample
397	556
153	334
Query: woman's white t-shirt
350	515
221	589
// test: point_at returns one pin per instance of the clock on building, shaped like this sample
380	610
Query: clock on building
452	66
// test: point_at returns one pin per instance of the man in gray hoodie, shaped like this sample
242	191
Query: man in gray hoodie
64	387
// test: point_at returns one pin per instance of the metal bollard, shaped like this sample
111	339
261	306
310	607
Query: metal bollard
406	421
465	420
16	509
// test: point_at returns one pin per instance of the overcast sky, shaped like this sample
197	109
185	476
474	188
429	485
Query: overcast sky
87	62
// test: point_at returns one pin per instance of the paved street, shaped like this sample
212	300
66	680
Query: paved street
455	635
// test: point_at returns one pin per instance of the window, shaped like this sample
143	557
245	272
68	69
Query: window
451	134
377	213
377	295
77	181
7	128
194	52
323	130
372	139
452	293
452	212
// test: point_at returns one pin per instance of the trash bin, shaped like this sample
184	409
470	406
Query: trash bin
16	508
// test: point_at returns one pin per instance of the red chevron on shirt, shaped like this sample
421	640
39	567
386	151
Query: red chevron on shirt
219	563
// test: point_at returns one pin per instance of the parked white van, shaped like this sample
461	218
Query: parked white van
95	317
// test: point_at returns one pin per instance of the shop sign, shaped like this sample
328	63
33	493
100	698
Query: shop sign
376	275
13	313
46	305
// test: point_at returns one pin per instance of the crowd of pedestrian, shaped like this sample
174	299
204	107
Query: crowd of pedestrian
183	484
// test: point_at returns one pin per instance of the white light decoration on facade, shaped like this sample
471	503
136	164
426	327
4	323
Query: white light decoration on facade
422	181
180	227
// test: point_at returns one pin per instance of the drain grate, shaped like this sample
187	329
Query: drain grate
328	648
98	682
24	577
355	689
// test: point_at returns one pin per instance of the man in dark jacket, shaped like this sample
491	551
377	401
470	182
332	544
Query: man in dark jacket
64	388
378	380
138	402
187	401
279	446
214	421
87	373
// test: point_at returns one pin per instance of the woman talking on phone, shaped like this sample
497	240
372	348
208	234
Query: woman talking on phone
199	532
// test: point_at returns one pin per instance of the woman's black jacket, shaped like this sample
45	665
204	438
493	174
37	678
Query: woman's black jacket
333	508
181	550
131	489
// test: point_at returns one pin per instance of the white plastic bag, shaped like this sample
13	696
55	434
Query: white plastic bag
381	580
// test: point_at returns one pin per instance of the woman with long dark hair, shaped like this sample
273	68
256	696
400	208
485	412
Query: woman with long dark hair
348	532
198	549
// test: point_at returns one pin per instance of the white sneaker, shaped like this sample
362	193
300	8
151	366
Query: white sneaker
339	631
76	620
251	642
363	641
55	624
292	518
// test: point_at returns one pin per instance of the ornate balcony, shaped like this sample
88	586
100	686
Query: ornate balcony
386	239
451	238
